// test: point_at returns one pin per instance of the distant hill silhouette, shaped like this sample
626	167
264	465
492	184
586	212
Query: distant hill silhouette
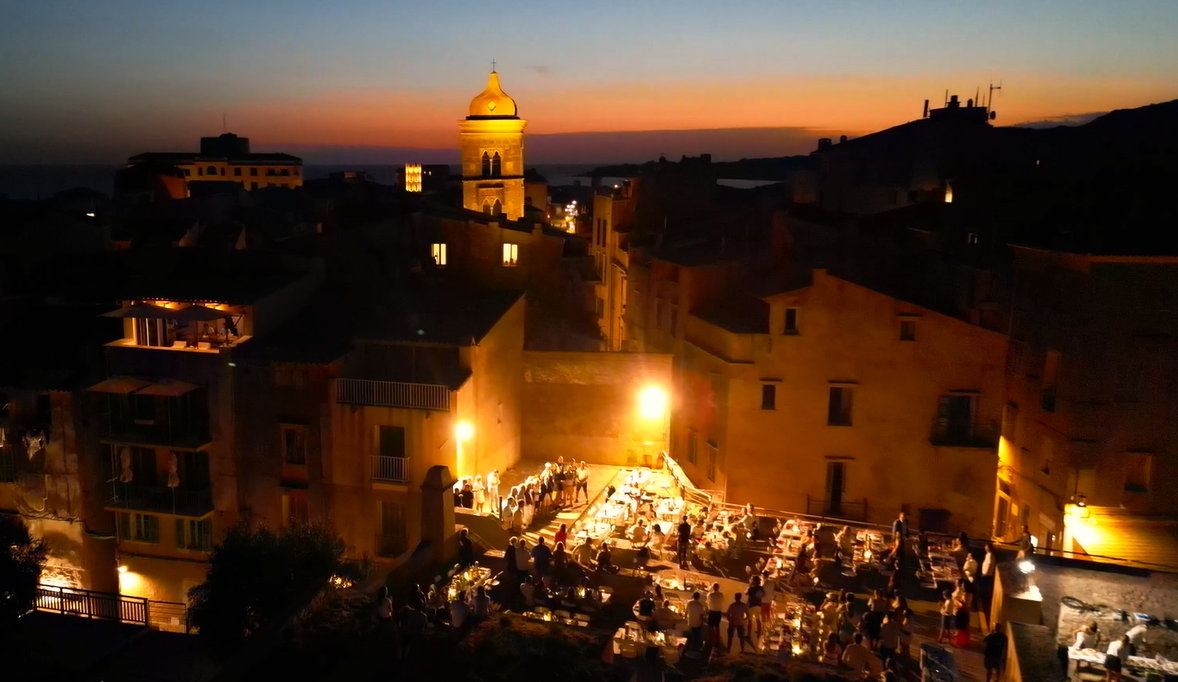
744	169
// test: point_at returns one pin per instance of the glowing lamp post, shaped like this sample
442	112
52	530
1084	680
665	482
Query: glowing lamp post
652	405
463	431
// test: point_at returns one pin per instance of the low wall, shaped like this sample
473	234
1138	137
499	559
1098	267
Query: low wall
585	406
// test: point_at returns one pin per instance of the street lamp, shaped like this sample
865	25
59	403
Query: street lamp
652	402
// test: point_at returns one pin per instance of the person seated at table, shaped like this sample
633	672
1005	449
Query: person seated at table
637	534
605	559
583	553
657	537
698	530
665	616
528	590
749	522
482	604
707	553
645	610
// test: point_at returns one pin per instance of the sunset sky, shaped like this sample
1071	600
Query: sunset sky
92	81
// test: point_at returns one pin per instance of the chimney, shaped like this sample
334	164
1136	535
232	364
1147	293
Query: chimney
842	139
953	103
925	114
823	143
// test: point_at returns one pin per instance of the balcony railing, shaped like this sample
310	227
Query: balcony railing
86	604
129	432
179	501
390	469
393	394
964	434
840	509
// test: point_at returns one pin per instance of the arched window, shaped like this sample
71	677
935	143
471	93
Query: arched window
486	165
497	208
212	170
496	166
487	204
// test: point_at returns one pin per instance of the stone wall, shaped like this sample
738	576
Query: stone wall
585	406
1132	590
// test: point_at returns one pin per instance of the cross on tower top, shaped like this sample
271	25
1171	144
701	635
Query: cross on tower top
492	66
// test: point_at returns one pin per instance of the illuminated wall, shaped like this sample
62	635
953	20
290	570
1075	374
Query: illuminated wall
493	136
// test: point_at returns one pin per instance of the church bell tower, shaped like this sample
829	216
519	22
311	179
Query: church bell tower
492	140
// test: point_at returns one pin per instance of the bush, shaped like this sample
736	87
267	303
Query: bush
256	574
21	559
513	649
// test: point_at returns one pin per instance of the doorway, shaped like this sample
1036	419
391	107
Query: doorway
836	485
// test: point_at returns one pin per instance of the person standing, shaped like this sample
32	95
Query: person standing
541	558
695	621
465	548
756	595
738	613
715	612
900	525
994	648
1114	660
480	494
493	491
684	542
582	482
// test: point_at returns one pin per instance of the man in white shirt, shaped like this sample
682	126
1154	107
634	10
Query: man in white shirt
459	612
889	638
493	489
695	621
715	611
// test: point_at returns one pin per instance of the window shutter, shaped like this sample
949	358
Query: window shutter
152	528
181	541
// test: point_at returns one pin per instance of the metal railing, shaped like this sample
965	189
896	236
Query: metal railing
852	510
390	469
169	616
131	496
68	601
964	434
434	397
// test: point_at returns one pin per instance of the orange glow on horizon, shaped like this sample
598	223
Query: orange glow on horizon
847	104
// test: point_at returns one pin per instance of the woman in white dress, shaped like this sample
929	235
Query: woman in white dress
480	494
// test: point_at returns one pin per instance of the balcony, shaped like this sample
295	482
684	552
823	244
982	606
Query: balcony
390	469
433	397
149	433
962	434
178	501
840	509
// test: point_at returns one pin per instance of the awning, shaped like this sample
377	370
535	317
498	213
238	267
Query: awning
168	388
198	313
143	310
119	385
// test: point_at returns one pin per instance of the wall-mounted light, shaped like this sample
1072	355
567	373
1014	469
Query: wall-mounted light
652	402
463	431
122	569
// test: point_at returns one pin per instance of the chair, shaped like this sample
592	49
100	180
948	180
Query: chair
562	614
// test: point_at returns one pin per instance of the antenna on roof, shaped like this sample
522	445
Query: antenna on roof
990	99
946	98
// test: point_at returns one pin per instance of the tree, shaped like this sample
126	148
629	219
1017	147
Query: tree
21	559
256	574
517	649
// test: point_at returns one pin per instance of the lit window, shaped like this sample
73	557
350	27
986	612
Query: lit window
510	255
438	251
